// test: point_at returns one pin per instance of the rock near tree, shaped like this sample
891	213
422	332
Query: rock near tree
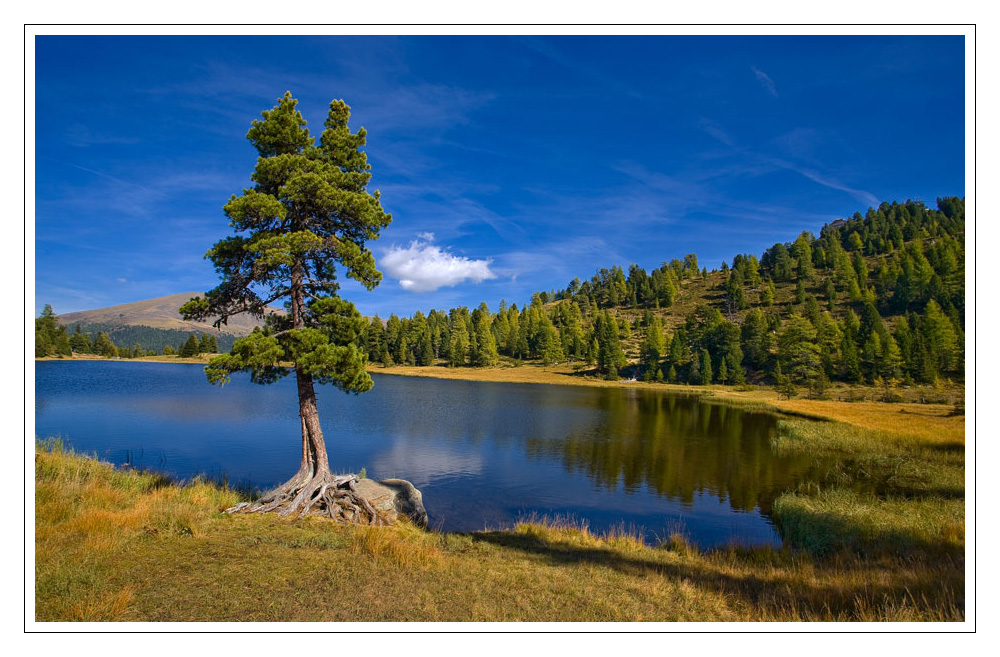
393	498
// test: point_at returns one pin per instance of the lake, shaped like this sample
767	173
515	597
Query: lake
484	455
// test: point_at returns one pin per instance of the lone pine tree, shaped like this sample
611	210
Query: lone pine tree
308	212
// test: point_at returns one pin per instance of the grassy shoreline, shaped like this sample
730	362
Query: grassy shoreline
120	545
880	536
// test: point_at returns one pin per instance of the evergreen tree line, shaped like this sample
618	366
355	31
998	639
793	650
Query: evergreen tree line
151	339
481	337
53	340
206	344
877	298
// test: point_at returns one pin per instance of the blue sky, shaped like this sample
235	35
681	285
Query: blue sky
510	164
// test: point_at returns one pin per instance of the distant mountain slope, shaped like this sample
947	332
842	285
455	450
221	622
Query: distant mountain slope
160	313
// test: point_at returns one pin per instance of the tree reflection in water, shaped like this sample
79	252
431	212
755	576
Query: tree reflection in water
677	446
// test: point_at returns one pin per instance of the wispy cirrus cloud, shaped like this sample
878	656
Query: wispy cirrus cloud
812	172
547	49
559	261
424	106
423	266
765	81
717	133
84	137
821	179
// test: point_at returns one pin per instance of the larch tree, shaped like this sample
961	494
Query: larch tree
653	348
307	213
50	338
610	357
797	349
482	322
706	368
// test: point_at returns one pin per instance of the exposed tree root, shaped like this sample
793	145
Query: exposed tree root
323	493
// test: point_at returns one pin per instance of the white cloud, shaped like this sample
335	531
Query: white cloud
424	267
426	463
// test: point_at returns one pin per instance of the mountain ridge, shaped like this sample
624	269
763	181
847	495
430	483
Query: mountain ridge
159	313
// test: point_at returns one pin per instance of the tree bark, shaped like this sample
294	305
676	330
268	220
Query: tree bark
314	447
314	457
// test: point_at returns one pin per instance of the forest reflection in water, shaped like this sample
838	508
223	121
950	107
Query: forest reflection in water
483	454
678	446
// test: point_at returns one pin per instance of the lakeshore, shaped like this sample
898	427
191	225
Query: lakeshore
891	550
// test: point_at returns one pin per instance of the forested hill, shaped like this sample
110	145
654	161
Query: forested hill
876	298
133	329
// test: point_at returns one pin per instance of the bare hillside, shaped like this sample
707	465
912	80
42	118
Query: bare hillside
157	313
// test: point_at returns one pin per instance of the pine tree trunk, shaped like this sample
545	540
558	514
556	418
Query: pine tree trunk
313	446
314	457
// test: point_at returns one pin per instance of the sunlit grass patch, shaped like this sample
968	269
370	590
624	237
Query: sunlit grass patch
188	509
402	545
835	438
89	515
103	607
572	532
55	462
679	543
841	519
625	541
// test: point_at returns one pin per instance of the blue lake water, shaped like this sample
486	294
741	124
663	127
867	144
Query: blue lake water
484	455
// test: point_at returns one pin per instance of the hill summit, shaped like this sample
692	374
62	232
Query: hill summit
159	313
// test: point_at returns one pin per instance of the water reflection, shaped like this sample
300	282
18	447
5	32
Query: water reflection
422	464
484	454
678	447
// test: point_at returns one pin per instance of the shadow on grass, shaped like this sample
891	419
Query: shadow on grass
824	534
948	448
774	584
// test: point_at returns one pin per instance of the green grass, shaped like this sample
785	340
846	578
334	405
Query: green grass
867	525
883	494
120	545
876	462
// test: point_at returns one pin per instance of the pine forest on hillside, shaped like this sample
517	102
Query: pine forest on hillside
876	299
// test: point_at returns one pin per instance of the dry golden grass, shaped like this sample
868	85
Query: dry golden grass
399	546
103	607
931	422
